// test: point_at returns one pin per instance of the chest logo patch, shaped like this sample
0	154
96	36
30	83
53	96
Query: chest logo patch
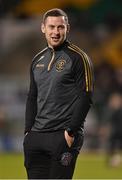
60	65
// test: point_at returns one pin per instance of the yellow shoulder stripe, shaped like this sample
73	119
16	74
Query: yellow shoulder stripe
40	52
87	66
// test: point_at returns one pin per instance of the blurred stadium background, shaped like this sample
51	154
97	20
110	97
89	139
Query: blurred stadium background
96	27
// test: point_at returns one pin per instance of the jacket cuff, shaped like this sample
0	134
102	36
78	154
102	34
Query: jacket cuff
70	132
26	131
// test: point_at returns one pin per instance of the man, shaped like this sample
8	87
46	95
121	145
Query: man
59	99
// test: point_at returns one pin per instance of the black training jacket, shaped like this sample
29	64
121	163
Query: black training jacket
61	86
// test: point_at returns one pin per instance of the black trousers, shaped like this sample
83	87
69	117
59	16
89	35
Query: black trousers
48	156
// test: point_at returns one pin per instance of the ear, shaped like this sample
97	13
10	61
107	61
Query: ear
43	28
68	28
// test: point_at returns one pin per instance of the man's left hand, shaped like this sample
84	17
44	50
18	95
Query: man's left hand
68	139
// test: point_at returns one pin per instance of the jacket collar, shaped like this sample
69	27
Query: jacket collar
63	45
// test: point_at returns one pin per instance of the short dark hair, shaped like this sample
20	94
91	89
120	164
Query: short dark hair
55	12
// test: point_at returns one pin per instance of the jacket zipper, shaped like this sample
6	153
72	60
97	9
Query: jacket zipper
51	61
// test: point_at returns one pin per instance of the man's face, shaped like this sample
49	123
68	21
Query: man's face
55	30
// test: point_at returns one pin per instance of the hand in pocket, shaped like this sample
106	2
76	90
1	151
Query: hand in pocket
68	139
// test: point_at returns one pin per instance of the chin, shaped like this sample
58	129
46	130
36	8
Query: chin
55	44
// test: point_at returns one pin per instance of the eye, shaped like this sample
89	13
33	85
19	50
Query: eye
51	27
61	27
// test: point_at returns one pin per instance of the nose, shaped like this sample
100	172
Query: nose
56	30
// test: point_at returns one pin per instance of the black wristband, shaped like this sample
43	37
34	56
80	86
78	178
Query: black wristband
70	132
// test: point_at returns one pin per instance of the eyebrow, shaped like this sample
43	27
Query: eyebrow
60	25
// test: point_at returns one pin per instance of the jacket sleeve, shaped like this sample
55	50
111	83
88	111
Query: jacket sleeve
83	75
31	104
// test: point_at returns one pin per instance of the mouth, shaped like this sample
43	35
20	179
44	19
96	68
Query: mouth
56	39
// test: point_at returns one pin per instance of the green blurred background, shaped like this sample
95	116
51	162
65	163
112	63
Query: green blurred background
96	27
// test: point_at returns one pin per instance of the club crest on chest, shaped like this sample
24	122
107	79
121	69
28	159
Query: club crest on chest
60	65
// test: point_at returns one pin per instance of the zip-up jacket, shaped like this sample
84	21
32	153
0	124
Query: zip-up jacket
61	86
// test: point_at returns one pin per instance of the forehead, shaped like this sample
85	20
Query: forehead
55	20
